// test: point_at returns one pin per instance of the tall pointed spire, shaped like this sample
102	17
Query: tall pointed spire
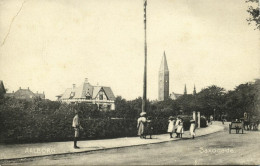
185	90
194	90
164	65
163	90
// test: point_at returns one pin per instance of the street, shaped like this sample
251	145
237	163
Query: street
214	149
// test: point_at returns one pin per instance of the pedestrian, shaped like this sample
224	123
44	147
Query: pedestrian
222	119
211	119
76	125
171	126
192	128
148	127
179	130
141	124
176	126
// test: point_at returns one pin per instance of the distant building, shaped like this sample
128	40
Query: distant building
175	96
26	94
163	89
100	95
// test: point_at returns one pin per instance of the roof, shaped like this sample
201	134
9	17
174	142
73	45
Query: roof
174	96
66	94
96	90
83	90
109	93
24	94
86	89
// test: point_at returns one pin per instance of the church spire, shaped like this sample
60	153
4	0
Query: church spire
185	90
194	90
164	65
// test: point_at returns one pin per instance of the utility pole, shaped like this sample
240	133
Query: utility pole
145	61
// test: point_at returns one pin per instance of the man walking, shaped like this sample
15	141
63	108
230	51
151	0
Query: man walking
76	125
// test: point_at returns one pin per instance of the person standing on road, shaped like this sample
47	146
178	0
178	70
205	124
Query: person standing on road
141	124
76	125
192	128
171	126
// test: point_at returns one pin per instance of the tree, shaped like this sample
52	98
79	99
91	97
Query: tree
211	100
253	11
245	98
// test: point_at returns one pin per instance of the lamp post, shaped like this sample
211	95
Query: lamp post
145	61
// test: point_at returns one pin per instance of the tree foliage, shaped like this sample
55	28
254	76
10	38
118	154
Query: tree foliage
253	10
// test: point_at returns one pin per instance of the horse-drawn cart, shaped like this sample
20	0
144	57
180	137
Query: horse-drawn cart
236	126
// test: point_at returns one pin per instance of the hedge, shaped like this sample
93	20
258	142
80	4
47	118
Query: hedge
47	121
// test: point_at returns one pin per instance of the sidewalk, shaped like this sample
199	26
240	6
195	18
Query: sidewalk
19	151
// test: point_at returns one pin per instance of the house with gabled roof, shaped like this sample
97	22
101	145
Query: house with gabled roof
101	95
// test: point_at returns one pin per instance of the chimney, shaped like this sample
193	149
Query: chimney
13	91
28	88
86	80
74	86
20	88
37	92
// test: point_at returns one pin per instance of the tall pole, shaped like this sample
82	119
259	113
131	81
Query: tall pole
145	61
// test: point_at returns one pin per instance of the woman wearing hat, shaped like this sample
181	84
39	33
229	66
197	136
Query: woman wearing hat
141	124
192	128
171	126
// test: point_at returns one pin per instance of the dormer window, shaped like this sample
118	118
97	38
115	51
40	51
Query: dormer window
88	97
72	94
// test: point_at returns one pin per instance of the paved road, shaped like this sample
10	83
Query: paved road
218	148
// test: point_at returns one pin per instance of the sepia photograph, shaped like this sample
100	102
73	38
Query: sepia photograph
129	82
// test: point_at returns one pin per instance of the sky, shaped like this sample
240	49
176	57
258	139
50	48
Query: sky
48	45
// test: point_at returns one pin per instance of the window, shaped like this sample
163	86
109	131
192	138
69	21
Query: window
101	96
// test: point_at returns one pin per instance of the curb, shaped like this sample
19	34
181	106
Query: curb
94	150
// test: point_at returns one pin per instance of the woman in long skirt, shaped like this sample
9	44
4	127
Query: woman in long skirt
171	126
141	124
192	128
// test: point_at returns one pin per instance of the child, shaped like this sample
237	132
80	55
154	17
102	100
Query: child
179	128
148	127
171	126
192	128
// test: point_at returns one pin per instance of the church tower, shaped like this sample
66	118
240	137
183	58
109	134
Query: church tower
163	90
